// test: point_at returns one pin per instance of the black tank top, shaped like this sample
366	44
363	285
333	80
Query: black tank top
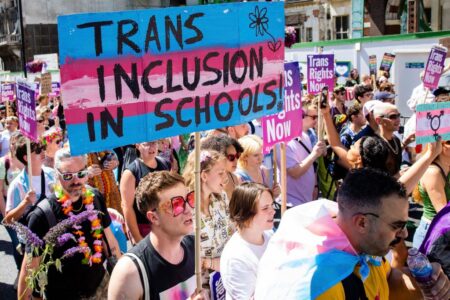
139	170
163	275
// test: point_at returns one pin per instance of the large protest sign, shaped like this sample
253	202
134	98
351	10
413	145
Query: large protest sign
387	61
26	108
432	120
7	91
434	67
287	124
320	72
144	75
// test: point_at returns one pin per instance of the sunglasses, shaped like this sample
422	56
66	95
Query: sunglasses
57	142
232	157
314	117
179	203
393	116
69	176
397	226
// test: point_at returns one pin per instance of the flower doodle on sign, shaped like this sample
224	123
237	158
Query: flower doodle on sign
435	122
260	22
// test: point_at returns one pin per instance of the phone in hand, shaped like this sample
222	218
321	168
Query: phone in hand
324	97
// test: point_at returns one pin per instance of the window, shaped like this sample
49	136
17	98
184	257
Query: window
309	34
341	27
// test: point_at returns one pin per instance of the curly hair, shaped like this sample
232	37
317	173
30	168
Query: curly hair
207	162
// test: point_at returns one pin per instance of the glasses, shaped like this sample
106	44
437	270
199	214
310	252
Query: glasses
41	121
396	226
393	117
57	142
368	94
69	176
232	157
314	117
178	203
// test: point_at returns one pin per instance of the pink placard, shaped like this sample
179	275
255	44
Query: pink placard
287	124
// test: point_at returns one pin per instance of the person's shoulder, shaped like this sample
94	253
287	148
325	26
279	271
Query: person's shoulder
18	180
189	241
48	171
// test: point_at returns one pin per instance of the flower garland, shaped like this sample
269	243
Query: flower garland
96	228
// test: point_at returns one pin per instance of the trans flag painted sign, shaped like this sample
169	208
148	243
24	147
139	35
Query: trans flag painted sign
136	76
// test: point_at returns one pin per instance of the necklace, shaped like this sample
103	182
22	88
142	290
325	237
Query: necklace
395	151
79	209
96	227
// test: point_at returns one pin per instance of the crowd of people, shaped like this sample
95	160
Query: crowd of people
349	199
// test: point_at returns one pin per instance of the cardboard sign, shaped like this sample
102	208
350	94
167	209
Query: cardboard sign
148	74
26	108
46	83
373	65
320	72
386	63
432	120
287	124
435	65
7	91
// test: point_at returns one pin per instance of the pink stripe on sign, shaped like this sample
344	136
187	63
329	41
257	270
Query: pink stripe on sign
423	114
76	112
76	69
431	132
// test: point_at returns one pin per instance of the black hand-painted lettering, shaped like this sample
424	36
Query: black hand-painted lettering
269	92
123	38
256	61
176	32
191	86
159	112
234	64
97	33
101	82
245	92
205	110
183	123
132	83
256	107
169	79
198	33
217	111
107	119
91	126
152	34
146	82
207	68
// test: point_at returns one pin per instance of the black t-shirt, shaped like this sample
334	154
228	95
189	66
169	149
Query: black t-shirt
139	170
394	159
166	279
76	279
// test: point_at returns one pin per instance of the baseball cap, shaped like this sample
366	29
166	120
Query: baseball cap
339	89
369	106
441	90
384	95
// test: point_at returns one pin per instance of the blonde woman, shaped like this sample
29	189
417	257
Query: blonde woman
216	226
250	167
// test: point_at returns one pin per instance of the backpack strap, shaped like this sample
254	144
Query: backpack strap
45	207
142	274
7	166
354	288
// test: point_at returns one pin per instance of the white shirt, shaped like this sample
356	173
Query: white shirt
239	266
418	96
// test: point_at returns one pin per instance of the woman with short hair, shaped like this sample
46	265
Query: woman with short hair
251	208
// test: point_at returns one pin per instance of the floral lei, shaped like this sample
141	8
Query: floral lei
96	228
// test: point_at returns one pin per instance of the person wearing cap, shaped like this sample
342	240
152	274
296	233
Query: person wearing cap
338	110
385	97
442	94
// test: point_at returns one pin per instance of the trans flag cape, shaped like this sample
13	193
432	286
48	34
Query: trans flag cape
307	255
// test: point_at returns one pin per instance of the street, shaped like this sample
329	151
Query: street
8	271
